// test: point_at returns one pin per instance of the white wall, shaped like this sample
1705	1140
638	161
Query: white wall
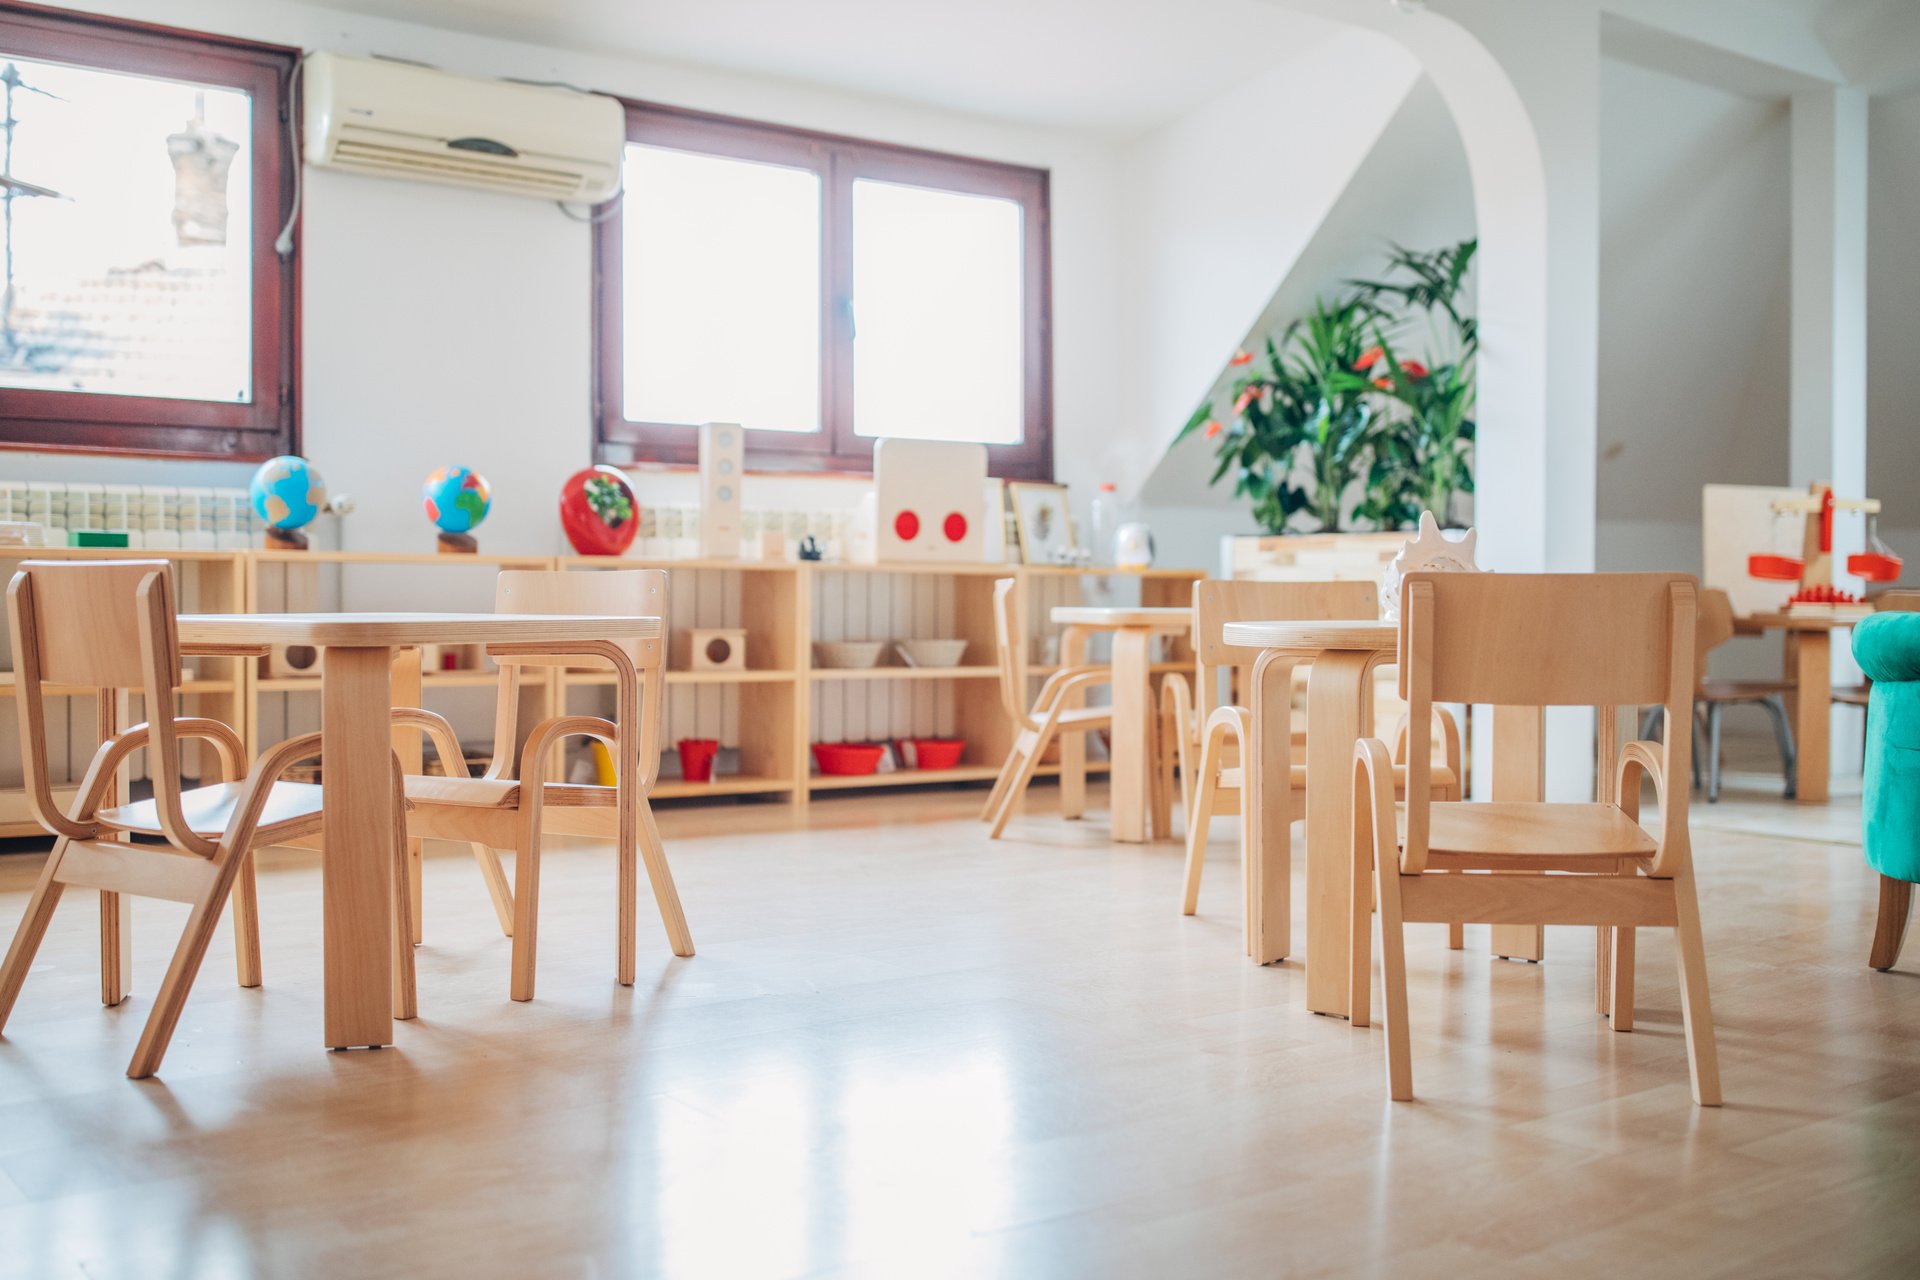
1893	321
1412	188
449	326
1693	308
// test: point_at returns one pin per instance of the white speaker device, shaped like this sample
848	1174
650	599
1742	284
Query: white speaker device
927	500
722	464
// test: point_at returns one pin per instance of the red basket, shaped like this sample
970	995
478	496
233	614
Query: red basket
1774	568
847	759
937	753
1874	566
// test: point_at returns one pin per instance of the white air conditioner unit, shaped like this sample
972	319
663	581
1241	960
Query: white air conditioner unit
405	121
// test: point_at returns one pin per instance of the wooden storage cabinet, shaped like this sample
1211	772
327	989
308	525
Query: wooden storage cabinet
767	715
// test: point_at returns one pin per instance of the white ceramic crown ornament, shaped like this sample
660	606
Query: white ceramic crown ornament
1428	550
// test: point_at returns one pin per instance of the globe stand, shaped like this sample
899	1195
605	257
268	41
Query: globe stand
458	544
286	540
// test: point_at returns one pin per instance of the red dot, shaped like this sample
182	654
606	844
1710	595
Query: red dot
906	526
956	526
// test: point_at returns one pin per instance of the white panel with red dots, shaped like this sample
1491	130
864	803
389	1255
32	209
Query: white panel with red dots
928	500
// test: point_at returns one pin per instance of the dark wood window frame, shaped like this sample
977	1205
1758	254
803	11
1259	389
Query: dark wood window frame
70	421
839	161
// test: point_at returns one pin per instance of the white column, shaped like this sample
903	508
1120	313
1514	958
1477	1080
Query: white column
1829	351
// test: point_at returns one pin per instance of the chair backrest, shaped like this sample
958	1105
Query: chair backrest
1714	628
1547	640
1010	639
1217	602
619	593
105	625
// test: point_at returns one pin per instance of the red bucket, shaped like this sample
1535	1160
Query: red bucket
938	753
846	759
696	758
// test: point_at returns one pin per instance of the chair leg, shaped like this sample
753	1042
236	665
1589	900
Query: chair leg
246	921
1018	787
1703	1059
653	852
498	890
33	927
1699	755
1206	786
1714	712
416	887
526	912
1783	734
116	948
192	949
1393	965
1008	770
1603	971
406	903
1889	930
1620	997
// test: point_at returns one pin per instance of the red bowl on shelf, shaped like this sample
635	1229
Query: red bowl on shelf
848	759
937	753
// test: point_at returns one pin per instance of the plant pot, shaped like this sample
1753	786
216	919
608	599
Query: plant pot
696	758
590	511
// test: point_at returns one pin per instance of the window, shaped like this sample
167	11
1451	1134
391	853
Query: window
144	177
823	292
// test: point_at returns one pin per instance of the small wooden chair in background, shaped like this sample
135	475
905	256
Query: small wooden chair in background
513	808
1201	729
109	626
1034	726
1714	695
1530	640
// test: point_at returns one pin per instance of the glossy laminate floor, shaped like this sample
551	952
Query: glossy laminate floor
904	1051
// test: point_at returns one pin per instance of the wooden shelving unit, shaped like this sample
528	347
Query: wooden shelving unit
766	716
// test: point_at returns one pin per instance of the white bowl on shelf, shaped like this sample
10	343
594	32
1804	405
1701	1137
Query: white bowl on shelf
931	653
847	655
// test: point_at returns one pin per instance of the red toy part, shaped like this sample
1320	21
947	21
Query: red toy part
1826	521
696	758
1776	568
906	526
599	511
1875	566
955	527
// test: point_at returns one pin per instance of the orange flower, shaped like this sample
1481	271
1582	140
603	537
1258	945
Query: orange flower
1385	384
1368	358
1240	358
1213	427
1246	398
1413	368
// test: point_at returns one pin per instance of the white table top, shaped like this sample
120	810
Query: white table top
1362	635
392	630
1152	618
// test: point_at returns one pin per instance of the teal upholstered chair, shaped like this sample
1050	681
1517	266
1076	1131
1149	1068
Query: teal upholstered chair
1887	647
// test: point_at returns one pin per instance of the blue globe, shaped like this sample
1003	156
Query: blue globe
457	498
287	493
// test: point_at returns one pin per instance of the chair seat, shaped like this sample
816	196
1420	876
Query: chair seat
1717	690
292	809
500	793
1854	695
1506	830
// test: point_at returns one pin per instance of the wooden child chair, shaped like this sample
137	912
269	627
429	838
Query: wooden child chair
1202	729
1715	695
1035	726
109	626
1530	640
514	809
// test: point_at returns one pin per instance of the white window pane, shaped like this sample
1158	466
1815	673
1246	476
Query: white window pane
936	304
722	291
136	277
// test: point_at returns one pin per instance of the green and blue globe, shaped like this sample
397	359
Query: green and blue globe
287	493
457	499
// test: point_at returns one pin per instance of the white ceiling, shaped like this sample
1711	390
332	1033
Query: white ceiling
1108	65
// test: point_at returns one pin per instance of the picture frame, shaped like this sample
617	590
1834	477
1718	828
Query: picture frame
1045	522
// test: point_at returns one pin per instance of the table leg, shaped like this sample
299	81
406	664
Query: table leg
1519	773
1813	682
1132	749
357	871
1268	776
1073	746
1339	711
116	923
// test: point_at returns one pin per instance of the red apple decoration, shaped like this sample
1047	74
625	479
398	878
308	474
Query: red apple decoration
599	511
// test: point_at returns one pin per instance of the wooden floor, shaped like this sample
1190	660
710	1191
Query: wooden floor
903	1051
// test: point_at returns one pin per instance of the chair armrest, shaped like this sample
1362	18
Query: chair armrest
1373	801
1176	706
1638	758
446	746
1069	680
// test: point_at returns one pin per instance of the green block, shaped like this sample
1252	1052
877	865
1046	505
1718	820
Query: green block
95	538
